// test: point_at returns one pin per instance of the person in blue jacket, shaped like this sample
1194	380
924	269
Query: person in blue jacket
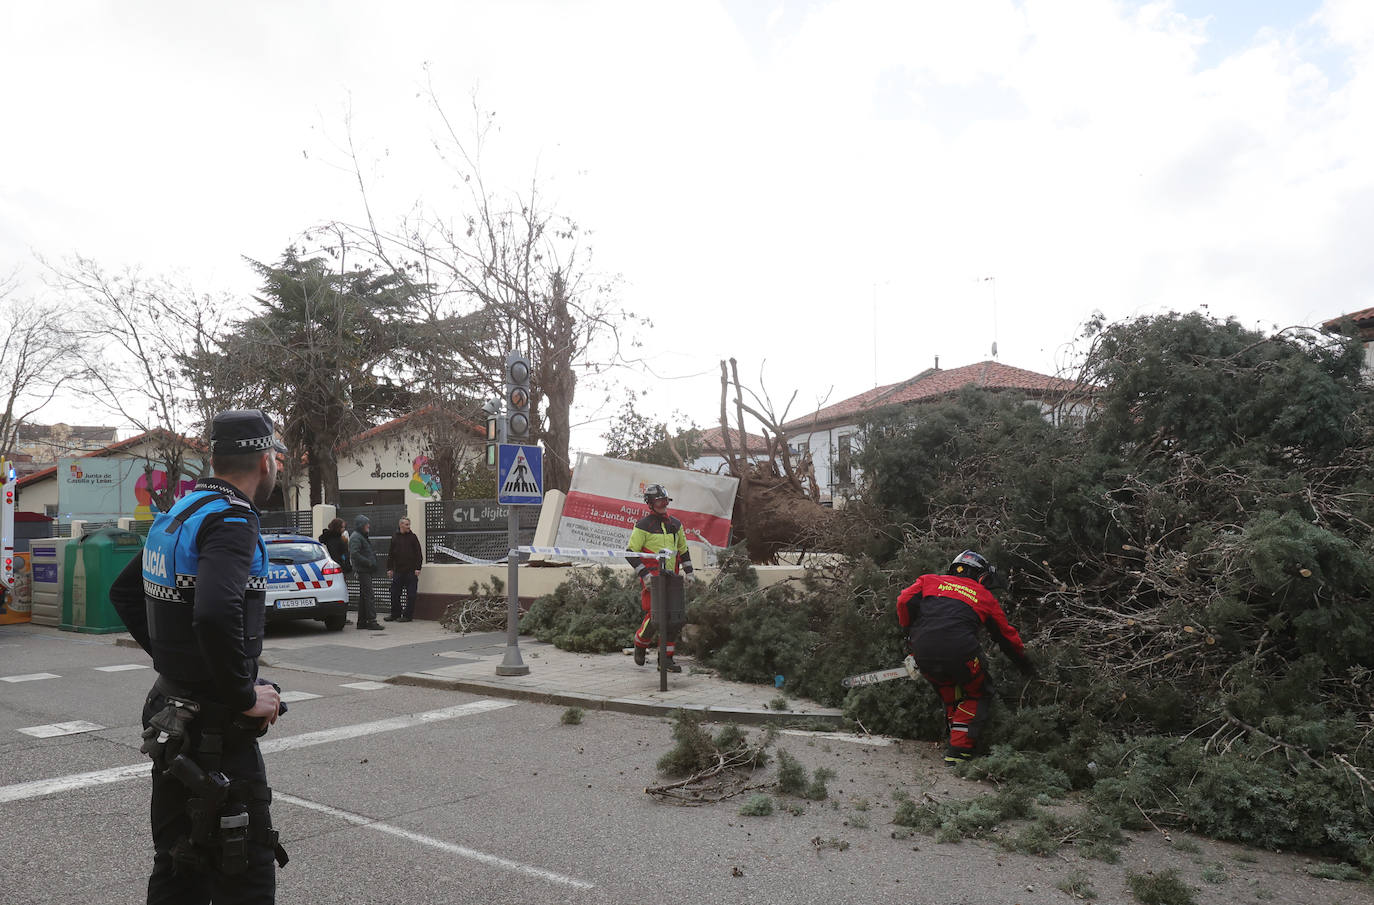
195	601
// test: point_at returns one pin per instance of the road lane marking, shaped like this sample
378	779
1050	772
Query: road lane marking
123	667
39	787
30	677
365	686
292	697
53	730
459	850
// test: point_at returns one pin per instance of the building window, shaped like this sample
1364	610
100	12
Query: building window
50	510
843	475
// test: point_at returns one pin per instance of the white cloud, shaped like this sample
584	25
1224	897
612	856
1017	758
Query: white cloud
759	175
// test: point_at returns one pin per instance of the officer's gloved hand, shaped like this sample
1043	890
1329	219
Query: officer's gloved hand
1027	666
689	577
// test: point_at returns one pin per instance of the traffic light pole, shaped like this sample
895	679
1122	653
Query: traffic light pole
511	664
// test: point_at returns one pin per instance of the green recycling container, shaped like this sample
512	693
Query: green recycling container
92	563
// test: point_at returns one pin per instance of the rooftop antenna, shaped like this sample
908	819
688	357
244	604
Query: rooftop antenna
993	281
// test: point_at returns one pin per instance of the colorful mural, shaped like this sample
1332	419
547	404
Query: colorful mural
423	481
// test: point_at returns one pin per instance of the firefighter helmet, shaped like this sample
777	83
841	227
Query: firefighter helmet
970	565
655	492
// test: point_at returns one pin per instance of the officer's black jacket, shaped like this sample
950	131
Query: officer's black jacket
226	559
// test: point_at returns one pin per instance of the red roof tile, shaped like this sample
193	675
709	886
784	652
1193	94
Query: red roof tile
713	440
1364	319
932	383
397	423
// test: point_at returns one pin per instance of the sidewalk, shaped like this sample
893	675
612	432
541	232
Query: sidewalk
426	654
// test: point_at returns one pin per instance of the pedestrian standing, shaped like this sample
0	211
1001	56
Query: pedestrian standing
655	533
404	560
195	601
943	615
364	560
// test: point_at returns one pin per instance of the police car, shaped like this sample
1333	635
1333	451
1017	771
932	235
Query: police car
303	582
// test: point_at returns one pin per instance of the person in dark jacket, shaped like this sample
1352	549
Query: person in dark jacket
403	562
364	561
195	601
335	541
943	614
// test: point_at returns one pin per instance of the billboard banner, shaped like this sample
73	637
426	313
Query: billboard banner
101	489
607	498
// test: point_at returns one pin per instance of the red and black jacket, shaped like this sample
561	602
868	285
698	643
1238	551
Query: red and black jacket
944	613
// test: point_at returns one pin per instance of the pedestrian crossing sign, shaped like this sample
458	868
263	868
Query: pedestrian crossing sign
519	475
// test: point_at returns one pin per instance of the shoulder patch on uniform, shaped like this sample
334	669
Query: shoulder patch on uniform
241	521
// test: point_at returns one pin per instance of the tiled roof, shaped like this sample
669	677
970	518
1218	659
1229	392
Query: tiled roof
932	383
44	432
713	440
1363	318
398	423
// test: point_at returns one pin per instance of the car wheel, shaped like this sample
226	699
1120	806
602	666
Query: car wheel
336	622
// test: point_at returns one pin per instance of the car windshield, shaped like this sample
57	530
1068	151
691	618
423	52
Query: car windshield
292	553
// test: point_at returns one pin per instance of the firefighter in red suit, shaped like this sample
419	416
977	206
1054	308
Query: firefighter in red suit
942	614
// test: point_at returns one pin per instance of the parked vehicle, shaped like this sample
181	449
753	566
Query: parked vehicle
303	582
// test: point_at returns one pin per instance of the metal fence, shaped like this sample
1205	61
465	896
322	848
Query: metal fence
383	522
475	528
297	520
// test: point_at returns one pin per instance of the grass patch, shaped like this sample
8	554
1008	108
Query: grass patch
1163	888
1214	873
571	717
757	806
778	703
1077	885
793	778
1335	872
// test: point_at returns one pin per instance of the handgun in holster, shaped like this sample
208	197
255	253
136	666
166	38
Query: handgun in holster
218	825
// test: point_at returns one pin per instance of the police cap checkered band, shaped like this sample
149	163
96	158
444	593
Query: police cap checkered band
243	431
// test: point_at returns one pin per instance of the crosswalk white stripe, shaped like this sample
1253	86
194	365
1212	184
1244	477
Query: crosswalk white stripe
123	667
54	730
39	787
460	850
30	677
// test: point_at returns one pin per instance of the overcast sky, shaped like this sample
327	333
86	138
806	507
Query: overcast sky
796	183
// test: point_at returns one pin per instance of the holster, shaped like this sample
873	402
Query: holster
222	822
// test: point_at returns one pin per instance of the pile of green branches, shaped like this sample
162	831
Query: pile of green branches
1191	562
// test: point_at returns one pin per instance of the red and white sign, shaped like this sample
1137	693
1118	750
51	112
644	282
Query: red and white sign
607	498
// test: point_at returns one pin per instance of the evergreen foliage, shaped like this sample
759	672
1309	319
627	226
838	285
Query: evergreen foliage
1190	567
595	611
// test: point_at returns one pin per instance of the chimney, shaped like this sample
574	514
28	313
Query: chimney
937	362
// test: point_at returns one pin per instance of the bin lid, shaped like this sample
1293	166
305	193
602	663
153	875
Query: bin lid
114	537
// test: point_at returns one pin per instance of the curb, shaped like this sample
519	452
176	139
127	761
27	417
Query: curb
633	706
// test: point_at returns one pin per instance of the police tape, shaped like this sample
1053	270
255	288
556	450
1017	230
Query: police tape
568	552
584	553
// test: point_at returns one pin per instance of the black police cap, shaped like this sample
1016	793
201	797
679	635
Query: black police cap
243	431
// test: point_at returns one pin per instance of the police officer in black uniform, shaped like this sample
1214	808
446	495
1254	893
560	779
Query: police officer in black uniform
195	603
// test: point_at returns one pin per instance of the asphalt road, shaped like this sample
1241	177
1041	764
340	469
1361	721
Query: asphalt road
395	794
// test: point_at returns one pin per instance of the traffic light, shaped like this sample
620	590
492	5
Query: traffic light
492	409
517	374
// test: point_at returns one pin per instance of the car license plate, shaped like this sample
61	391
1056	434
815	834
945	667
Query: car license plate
295	602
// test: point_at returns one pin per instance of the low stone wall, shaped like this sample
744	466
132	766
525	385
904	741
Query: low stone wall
441	585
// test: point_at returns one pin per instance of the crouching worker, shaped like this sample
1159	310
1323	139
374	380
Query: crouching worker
195	603
942	614
655	533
